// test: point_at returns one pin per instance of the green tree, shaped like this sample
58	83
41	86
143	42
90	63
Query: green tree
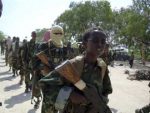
133	26
83	15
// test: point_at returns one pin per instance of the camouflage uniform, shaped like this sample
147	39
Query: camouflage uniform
54	53
21	63
15	50
53	82
28	54
36	93
55	56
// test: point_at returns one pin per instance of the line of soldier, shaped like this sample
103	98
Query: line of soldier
21	57
38	67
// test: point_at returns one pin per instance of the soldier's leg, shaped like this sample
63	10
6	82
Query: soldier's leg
6	58
21	76
27	81
13	72
14	66
36	92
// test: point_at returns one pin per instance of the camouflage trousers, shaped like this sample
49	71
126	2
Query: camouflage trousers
15	65
22	76
28	81
14	62
48	108
47	103
36	91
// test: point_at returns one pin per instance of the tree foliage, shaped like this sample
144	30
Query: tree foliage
81	16
129	26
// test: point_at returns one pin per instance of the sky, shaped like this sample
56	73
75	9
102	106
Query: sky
21	17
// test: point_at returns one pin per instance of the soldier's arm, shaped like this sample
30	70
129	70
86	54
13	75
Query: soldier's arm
53	78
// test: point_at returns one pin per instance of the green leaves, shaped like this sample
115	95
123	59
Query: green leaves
82	16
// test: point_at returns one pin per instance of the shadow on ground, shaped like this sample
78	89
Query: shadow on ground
12	87
5	73
3	58
18	99
9	78
32	111
2	61
114	110
2	65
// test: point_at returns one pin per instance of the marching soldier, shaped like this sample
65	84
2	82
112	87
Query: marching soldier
79	85
50	54
28	54
15	49
21	63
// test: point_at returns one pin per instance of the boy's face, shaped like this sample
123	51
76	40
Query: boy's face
95	46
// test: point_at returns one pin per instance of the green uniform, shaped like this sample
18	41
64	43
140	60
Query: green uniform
28	54
95	75
54	55
15	50
20	65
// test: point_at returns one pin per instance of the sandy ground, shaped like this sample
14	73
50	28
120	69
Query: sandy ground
126	97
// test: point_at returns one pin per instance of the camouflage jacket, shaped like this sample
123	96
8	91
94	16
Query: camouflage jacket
31	48
90	74
54	54
28	53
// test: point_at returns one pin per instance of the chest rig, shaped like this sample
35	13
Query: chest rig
54	54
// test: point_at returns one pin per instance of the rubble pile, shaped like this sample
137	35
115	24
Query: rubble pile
126	72
140	75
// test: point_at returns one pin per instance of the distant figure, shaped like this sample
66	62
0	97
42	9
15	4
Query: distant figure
131	60
1	8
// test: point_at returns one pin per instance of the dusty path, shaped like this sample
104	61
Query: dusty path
127	95
12	95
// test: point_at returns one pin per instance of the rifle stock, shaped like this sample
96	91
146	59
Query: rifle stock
44	60
67	70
